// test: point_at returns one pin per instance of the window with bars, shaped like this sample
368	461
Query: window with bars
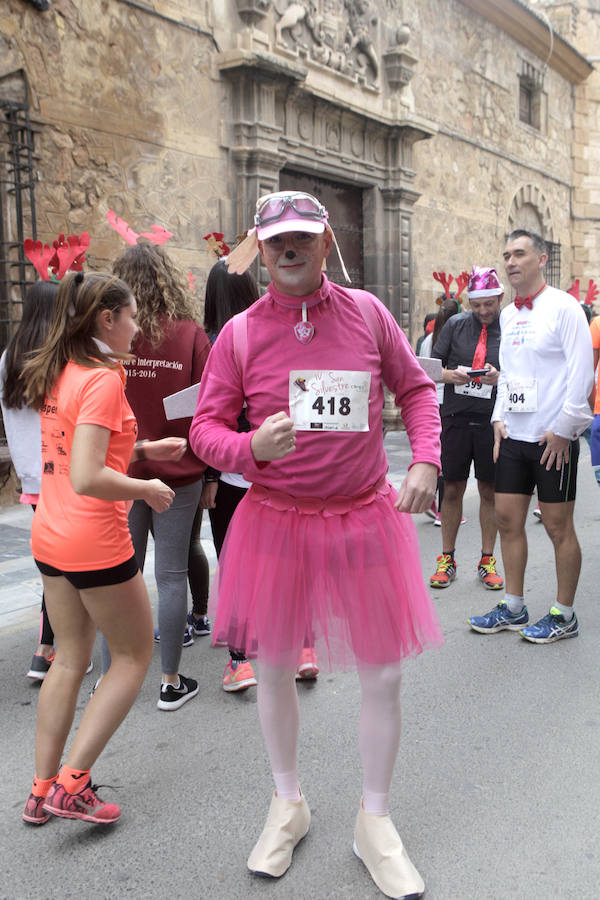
17	213
552	268
531	83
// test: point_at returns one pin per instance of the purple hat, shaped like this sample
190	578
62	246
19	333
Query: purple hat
484	282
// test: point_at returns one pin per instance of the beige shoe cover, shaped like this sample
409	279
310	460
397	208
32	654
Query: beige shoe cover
378	844
287	823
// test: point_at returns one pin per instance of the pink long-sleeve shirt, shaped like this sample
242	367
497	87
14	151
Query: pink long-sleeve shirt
324	463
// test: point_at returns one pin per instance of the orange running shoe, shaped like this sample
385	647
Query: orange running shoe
488	575
307	668
238	676
446	572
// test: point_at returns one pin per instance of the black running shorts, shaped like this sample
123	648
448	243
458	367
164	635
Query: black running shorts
95	577
518	471
466	439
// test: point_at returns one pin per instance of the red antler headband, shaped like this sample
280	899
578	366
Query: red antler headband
591	293
158	235
461	283
445	281
574	289
66	254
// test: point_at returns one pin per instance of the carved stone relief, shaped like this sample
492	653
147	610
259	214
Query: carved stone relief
339	34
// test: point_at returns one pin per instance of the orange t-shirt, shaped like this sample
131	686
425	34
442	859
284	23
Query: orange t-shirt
70	531
595	332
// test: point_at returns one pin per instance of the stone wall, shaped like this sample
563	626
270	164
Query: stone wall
128	115
485	171
586	152
137	115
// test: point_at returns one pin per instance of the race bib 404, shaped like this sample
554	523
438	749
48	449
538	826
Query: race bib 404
329	400
521	395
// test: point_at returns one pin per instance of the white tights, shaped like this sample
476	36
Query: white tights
378	735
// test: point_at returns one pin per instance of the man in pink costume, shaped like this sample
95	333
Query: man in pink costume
321	546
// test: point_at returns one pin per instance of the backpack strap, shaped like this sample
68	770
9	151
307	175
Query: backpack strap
240	340
364	301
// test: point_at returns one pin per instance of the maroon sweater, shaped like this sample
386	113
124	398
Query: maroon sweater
176	363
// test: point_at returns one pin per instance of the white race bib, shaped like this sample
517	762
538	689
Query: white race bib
521	395
330	400
474	389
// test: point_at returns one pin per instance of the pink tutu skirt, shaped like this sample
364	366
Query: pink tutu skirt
342	575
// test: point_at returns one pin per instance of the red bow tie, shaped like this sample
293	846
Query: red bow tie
524	301
528	300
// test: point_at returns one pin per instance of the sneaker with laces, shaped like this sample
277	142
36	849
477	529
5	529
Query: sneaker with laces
446	572
307	668
500	618
552	627
199	626
488	576
39	666
34	813
85	805
188	636
172	696
238	676
538	513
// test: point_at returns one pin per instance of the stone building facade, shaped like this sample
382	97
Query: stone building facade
429	127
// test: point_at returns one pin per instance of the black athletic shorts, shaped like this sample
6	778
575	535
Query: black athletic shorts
518	471
95	577
465	439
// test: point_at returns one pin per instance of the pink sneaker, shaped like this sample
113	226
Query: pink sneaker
238	676
86	805
307	667
34	811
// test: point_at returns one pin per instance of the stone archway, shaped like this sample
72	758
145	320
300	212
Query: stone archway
530	210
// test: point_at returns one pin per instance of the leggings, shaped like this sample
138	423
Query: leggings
378	737
226	501
198	569
172	530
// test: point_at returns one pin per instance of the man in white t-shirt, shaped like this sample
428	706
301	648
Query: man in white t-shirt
547	371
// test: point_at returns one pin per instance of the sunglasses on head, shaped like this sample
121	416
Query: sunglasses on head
271	207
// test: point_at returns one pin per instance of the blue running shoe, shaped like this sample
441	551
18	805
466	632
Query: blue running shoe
188	636
551	628
199	626
499	618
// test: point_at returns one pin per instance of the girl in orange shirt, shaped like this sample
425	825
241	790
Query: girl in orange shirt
80	539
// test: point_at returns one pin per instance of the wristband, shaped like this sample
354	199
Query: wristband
140	449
